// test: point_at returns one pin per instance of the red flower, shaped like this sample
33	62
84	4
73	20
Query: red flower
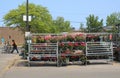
70	44
61	44
48	37
81	35
83	44
63	54
76	44
73	57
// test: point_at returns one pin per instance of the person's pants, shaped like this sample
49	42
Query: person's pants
14	50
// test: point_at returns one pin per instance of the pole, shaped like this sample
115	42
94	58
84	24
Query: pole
27	29
27	22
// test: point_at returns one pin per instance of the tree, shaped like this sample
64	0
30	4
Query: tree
61	25
113	19
93	25
81	27
41	21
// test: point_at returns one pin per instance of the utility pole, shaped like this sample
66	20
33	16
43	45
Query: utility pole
27	12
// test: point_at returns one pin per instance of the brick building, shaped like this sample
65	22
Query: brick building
10	33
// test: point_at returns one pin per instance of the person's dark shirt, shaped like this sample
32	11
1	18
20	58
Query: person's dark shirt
14	45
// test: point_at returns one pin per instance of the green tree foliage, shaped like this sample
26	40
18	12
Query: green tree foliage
93	24
61	25
113	19
81	27
41	18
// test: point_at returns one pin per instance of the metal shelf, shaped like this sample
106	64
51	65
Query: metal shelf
39	52
99	50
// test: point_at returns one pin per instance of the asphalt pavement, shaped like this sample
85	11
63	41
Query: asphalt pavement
12	66
7	60
20	70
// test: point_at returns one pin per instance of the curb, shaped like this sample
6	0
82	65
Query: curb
9	65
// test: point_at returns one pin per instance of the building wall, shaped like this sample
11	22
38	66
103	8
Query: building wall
10	33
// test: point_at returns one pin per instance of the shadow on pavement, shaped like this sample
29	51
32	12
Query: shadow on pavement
24	63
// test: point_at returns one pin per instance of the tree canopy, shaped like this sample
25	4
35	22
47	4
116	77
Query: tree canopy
61	24
93	24
42	21
113	19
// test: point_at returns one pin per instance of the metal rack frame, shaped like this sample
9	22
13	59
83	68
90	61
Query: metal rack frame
99	51
38	51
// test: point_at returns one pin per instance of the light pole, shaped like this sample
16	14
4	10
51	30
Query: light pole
27	18
27	30
27	11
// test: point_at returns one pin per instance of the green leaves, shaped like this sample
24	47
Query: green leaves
93	23
61	24
42	21
113	19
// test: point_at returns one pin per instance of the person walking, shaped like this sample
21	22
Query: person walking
14	47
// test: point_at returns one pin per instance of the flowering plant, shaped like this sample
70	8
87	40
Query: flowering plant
72	46
62	38
67	44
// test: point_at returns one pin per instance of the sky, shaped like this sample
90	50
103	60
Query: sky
74	11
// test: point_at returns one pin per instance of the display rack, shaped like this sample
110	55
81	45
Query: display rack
99	51
43	52
69	49
71	55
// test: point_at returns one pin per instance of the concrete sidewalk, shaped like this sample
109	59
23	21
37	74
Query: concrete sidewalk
7	61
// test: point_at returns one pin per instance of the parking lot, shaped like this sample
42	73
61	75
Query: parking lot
21	70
